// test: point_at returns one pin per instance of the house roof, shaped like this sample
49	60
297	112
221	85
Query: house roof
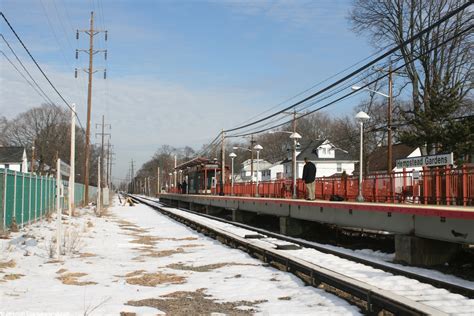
11	154
310	151
377	160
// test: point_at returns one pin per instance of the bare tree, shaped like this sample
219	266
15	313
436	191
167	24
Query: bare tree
440	79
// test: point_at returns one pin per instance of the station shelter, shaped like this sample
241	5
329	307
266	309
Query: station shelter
203	175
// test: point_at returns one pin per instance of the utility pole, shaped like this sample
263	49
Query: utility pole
132	175
158	191
103	125
222	163
389	120
252	142
72	173
91	32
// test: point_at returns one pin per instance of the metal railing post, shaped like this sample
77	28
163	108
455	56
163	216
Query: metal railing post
14	199
22	199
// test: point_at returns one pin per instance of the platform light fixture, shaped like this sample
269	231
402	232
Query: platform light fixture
361	117
257	148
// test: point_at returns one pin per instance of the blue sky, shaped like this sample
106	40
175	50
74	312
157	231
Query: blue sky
180	71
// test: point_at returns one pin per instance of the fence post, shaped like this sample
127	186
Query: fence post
36	197
22	200
14	198
5	182
437	182
447	184
464	185
41	197
29	198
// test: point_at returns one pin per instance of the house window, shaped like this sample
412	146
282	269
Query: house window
7	166
339	167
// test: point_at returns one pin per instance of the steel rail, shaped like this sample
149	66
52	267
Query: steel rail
454	288
375	299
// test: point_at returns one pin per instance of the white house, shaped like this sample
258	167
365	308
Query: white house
246	173
13	158
274	172
328	159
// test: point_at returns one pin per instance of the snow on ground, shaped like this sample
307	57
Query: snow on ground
412	289
136	260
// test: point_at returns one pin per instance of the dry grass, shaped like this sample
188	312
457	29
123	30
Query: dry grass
86	255
285	298
13	276
7	264
71	278
205	268
153	279
145	240
149	252
195	303
191	245
60	271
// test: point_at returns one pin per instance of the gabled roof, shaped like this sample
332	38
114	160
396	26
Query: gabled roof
378	158
310	151
11	154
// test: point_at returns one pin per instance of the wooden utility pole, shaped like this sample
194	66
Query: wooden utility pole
158	189
72	172
389	120
90	71
252	142
222	163
102	152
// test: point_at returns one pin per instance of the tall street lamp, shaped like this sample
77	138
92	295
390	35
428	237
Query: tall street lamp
389	117
251	169
257	148
361	117
295	136
232	156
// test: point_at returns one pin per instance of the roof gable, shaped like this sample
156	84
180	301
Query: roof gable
310	151
11	154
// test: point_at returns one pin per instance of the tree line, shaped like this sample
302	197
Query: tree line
47	128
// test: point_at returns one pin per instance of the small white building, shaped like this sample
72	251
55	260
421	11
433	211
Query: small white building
328	159
274	172
246	170
14	158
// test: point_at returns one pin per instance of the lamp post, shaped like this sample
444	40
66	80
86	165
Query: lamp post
171	176
361	117
215	174
257	148
389	96
295	136
232	156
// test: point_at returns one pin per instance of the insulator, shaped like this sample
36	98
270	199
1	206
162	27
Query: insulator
105	74
75	73
77	34
106	34
105	55
77	54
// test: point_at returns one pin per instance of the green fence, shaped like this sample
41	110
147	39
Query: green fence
26	197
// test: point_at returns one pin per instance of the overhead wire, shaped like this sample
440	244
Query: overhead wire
41	70
43	94
362	68
364	86
26	79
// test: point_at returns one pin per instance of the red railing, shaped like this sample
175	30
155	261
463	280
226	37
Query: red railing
441	186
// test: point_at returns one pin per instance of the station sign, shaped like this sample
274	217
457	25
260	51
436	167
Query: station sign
427	161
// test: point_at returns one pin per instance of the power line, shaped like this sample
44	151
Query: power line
40	69
364	86
362	68
44	95
27	81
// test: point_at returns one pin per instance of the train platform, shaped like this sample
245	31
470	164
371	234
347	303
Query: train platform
435	231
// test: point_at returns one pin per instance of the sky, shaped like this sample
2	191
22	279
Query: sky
177	71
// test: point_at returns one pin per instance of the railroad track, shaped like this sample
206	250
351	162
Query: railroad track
369	298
